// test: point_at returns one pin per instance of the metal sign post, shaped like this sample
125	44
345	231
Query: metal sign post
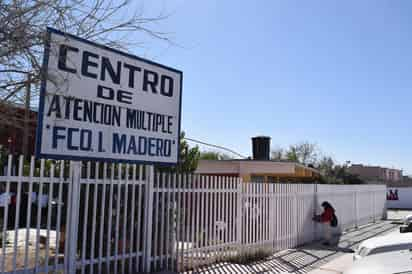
73	217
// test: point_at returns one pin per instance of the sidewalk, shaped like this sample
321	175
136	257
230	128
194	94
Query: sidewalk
313	258
335	266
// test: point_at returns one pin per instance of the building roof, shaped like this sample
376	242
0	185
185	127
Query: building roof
248	166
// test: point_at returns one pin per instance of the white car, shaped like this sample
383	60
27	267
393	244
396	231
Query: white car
398	262
392	242
407	220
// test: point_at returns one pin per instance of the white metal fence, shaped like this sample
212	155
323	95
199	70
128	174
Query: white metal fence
113	218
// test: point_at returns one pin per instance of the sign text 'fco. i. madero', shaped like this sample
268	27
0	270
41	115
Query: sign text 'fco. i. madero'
102	104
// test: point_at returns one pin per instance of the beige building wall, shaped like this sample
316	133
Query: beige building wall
265	171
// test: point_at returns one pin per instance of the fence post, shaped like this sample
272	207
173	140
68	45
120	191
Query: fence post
148	217
385	208
356	209
239	215
315	206
296	202
73	217
374	206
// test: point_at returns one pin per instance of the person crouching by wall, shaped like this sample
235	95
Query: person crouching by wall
328	219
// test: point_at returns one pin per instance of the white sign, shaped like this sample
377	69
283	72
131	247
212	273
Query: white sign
98	103
5	199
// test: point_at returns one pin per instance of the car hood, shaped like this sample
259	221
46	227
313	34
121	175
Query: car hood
384	263
387	240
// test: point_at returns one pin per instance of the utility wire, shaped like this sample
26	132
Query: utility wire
215	146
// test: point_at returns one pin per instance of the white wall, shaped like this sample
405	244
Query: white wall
404	198
354	204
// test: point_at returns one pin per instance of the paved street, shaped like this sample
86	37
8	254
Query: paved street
314	258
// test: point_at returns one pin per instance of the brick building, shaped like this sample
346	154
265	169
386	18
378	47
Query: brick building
376	173
12	128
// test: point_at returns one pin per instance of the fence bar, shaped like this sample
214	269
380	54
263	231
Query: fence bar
49	213
74	217
28	217
225	208
177	183
125	217
198	228
162	208
149	217
94	230
102	218
6	212
109	228
117	221
167	186
192	220
140	214
175	221
239	207
59	213
39	209
202	242
85	218
132	221
156	222
17	217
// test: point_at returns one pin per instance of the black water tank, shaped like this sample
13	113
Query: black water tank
261	148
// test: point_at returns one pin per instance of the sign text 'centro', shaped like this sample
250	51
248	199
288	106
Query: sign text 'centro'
101	104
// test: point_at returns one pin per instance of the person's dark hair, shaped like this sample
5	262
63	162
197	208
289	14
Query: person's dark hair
326	205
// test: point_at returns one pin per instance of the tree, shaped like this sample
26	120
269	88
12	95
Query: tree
305	153
326	165
336	174
308	154
212	155
22	36
277	154
188	158
344	177
292	154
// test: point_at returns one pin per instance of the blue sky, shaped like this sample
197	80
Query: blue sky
336	73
